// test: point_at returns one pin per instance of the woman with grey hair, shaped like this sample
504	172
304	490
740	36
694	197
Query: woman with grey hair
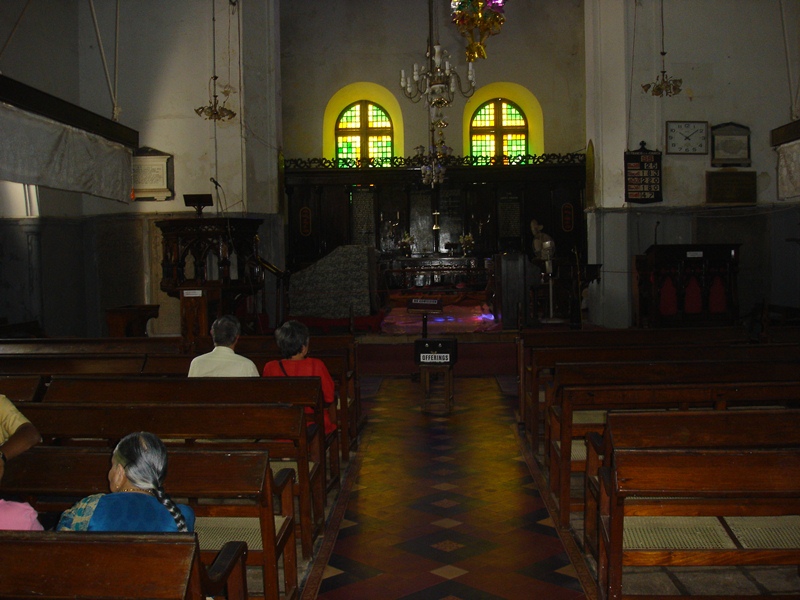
292	338
138	501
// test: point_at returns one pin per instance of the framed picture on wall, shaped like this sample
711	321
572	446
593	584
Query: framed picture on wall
730	145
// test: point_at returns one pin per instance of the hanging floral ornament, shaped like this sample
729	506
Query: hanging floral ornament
477	20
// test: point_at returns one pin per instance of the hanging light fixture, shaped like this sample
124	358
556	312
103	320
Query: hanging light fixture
664	85
436	81
214	111
477	20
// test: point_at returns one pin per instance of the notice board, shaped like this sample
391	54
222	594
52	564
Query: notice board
643	176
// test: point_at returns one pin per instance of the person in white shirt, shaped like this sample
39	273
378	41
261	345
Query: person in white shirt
222	361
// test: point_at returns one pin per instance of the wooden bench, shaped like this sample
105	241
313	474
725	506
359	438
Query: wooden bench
336	362
50	565
724	485
71	364
51	478
544	360
73	345
22	388
300	391
530	339
650	385
695	429
280	429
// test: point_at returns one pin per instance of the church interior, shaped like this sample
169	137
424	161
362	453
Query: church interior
512	227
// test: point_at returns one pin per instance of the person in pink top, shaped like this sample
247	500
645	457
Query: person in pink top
292	338
19	516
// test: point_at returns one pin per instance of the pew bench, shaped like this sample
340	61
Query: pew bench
341	412
49	565
71	364
300	391
644	494
532	338
544	360
279	429
600	387
695	429
232	493
22	388
102	345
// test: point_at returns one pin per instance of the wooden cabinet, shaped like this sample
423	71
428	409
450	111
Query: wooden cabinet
678	285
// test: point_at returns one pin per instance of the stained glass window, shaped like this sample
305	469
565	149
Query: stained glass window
364	131
502	136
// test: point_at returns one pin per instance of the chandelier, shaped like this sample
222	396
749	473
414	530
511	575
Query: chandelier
436	81
664	85
215	111
476	20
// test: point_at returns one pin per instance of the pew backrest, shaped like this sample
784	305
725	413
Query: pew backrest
22	388
76	364
48	565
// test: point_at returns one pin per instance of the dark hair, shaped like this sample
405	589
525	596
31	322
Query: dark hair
143	456
291	337
225	330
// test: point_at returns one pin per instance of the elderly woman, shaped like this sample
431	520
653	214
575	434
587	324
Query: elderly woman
292	339
138	502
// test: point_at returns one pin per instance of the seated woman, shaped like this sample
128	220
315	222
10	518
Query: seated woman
292	338
138	501
18	516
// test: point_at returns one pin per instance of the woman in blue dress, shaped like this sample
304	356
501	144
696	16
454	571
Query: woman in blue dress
138	502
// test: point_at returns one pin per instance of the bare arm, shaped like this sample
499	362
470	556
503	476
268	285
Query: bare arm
26	436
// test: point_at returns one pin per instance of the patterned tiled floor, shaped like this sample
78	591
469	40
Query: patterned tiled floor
444	506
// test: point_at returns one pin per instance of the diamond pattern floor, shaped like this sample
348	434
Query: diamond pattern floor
444	506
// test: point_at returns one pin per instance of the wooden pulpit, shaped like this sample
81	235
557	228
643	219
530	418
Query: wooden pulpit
209	264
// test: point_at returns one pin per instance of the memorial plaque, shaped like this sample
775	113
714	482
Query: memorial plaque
363	232
643	176
509	216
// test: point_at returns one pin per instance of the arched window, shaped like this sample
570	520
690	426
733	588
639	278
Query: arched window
364	131
498	129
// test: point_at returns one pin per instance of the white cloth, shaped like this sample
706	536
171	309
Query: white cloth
222	362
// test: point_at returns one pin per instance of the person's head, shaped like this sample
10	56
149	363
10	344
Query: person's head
225	330
139	460
292	337
139	463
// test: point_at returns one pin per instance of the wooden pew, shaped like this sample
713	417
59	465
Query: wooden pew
52	478
300	391
544	360
22	388
696	429
318	345
530	339
650	385
71	364
713	483
336	362
279	429
50	565
74	345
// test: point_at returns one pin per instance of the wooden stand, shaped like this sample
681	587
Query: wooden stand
439	399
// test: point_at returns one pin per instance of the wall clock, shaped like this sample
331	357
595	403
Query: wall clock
730	145
687	137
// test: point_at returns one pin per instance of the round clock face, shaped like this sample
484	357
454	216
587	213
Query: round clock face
687	137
